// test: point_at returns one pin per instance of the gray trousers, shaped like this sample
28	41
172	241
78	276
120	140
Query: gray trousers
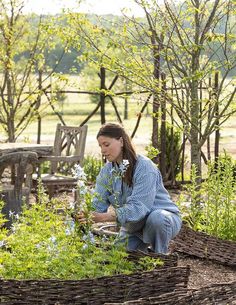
157	231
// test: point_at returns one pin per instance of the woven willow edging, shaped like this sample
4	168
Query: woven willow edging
119	288
202	245
215	294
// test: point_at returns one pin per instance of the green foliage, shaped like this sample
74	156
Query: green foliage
211	207
152	152
3	231
220	199
92	166
225	161
44	243
148	263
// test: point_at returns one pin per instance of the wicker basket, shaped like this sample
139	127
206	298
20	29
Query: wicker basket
216	294
118	288
202	245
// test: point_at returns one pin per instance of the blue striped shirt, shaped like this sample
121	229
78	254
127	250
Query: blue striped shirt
132	204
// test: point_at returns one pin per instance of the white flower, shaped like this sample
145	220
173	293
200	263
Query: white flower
68	231
52	239
83	191
70	226
85	246
123	166
125	162
71	205
81	183
11	214
89	237
38	246
120	171
79	172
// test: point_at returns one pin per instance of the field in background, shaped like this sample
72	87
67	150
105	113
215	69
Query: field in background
76	108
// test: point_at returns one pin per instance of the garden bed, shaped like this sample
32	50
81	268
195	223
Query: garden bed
215	294
202	245
119	288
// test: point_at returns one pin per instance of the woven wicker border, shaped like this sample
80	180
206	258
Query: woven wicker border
97	291
202	245
215	294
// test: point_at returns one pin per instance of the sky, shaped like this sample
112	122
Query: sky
87	6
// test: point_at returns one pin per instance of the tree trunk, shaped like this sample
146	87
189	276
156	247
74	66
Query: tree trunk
40	74
127	88
156	104
102	94
194	134
11	118
163	129
217	132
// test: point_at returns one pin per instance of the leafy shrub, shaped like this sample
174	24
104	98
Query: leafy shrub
211	207
43	243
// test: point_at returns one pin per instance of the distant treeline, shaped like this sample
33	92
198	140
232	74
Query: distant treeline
69	63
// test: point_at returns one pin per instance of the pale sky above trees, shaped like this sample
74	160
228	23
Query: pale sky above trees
87	6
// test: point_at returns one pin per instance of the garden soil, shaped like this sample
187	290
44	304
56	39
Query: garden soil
204	273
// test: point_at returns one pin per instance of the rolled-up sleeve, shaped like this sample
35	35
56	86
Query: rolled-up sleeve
102	192
141	200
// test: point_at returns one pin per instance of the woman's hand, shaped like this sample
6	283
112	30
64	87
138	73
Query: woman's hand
96	217
103	217
80	218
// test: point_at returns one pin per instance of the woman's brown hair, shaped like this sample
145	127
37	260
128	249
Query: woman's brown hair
116	131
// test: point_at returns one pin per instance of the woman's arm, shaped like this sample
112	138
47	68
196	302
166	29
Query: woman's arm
96	217
140	202
104	217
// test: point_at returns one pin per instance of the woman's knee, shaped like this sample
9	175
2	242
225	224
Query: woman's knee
160	219
156	219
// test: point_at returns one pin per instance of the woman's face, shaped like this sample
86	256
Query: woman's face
111	148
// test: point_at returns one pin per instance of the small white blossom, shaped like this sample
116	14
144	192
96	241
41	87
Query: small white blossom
68	231
38	246
70	226
52	239
85	246
81	183
78	172
121	170
89	237
83	191
72	205
11	214
13	228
